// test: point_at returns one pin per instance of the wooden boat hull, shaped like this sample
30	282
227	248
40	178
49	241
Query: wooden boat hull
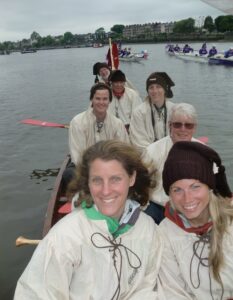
57	200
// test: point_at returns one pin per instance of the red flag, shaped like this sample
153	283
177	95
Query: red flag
112	56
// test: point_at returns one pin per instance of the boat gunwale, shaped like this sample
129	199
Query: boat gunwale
56	192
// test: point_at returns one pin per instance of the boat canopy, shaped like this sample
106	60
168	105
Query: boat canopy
223	5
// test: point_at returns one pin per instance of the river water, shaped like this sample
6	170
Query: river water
54	85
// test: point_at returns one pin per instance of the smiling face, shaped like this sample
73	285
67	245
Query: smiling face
191	198
156	94
104	73
118	86
109	184
100	103
182	128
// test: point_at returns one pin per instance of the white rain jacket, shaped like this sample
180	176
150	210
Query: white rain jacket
141	132
122	108
83	132
179	260
79	260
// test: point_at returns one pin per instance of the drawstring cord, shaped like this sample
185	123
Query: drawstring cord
200	244
114	247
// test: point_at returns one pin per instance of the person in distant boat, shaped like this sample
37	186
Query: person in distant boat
182	122
213	51
176	48
107	248
203	50
170	48
93	125
198	229
149	121
228	53
124	99
187	49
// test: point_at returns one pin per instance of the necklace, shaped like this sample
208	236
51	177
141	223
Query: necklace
99	126
162	114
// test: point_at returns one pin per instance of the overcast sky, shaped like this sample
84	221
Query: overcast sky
19	18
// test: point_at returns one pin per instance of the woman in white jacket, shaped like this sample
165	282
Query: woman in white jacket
107	248
197	232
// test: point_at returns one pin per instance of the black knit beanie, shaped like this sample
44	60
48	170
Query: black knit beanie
162	79
193	160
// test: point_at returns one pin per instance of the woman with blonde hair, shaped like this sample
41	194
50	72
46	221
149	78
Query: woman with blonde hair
107	248
197	232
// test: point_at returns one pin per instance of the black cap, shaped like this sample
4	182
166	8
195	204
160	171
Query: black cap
162	79
97	66
194	160
117	75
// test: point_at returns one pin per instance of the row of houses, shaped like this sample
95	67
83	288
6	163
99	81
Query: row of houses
148	29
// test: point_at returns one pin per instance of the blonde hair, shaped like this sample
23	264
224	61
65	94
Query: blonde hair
221	213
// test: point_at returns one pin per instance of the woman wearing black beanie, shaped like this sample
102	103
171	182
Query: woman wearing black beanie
198	228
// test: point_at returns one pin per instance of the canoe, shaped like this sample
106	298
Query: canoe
219	59
131	58
58	206
192	56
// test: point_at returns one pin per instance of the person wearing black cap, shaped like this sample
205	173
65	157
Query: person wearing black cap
198	228
102	71
149	121
124	99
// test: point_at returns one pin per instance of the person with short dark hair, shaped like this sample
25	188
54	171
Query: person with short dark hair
93	125
149	121
124	99
198	229
106	248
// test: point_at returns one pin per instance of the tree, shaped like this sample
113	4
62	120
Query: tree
35	36
118	28
184	26
224	23
209	24
68	38
100	34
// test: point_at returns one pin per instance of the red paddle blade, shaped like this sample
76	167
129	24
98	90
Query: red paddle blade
203	139
43	123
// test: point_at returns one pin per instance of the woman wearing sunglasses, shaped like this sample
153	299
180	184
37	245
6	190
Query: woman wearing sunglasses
197	232
182	126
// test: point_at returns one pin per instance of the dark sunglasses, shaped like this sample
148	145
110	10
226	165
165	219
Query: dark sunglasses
178	125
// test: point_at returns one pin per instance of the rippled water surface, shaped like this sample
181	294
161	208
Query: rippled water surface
54	86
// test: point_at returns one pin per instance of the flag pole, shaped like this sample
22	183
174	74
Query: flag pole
111	57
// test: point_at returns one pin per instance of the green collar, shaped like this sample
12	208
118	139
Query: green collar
113	224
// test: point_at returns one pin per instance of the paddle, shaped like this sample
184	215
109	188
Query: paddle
43	123
21	241
203	139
